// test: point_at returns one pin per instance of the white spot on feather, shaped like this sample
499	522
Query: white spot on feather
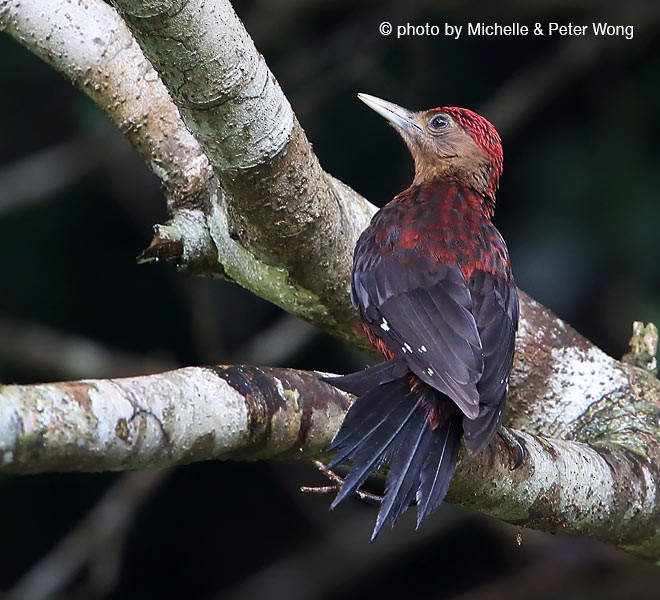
406	347
422	348
385	326
430	372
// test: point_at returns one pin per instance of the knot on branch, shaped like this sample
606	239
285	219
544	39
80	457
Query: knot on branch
643	347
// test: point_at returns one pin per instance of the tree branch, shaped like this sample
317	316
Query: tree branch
281	206
90	44
240	413
181	416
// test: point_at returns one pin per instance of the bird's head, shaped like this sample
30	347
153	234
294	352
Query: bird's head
447	144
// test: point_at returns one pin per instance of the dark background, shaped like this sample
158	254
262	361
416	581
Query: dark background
579	206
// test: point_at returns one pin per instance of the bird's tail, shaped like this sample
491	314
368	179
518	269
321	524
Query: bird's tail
417	431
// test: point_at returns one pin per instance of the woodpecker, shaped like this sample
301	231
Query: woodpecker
432	281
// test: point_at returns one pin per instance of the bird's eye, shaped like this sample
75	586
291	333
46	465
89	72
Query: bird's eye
439	122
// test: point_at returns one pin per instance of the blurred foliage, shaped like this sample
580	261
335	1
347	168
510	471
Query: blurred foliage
579	206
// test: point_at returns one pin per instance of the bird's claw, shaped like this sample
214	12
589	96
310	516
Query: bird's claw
514	446
337	482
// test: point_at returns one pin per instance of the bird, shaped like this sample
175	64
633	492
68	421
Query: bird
432	282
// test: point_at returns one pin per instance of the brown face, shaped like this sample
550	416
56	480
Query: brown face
448	144
442	149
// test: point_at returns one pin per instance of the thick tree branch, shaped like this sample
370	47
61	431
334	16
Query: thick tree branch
193	414
176	417
278	196
278	224
89	44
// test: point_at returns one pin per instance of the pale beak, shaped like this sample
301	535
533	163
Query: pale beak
395	114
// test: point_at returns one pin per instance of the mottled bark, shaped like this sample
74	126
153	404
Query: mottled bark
182	416
278	196
89	44
606	491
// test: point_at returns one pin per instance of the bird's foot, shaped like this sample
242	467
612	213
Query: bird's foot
514	445
336	485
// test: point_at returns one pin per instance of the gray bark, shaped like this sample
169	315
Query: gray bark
604	490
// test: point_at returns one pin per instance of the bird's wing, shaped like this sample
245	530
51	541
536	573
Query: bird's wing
423	310
496	312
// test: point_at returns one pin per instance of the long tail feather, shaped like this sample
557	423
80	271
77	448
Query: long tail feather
361	424
403	477
439	467
389	422
361	382
371	449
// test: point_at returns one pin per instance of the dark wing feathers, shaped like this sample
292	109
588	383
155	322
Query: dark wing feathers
456	335
496	313
437	353
424	315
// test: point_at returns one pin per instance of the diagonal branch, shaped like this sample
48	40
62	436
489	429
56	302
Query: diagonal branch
278	197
